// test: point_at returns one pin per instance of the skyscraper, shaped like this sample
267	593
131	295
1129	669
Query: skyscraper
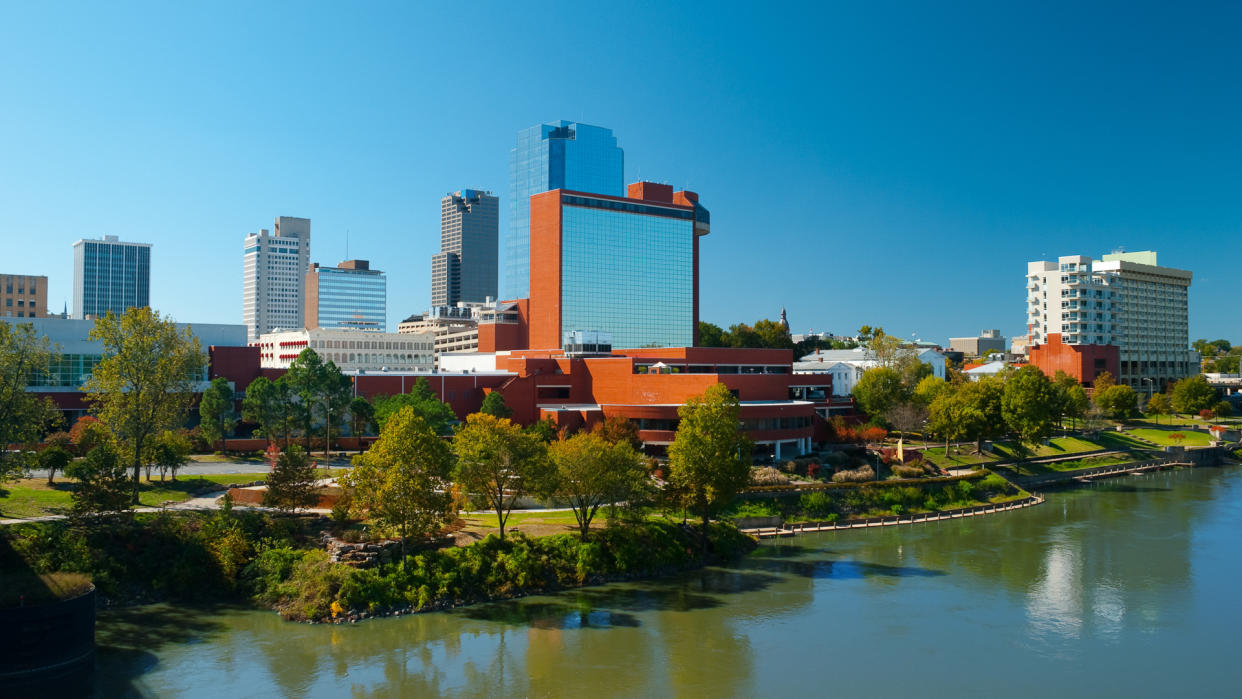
350	296
274	277
110	275
560	155
465	267
625	266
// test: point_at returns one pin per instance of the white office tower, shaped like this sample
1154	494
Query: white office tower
274	277
1123	299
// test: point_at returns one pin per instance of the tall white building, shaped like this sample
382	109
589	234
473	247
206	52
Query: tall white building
350	350
1123	299
110	274
274	270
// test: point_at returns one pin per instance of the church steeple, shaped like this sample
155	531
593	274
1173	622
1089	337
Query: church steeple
784	320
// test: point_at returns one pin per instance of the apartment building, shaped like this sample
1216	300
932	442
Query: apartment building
350	350
274	268
23	296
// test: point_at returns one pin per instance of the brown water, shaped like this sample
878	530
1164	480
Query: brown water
1127	587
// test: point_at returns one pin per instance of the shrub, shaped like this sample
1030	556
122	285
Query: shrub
857	475
818	504
907	471
768	476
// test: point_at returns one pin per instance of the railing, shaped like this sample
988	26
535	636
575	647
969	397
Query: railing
793	528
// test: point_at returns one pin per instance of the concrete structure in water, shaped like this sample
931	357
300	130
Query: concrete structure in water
350	296
110	275
1122	313
23	296
465	268
274	270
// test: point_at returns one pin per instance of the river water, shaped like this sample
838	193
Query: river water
1126	587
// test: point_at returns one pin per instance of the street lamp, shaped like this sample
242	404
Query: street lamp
1150	389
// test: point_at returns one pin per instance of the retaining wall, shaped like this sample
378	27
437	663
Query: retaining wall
48	647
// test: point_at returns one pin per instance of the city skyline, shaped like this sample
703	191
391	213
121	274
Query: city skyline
922	146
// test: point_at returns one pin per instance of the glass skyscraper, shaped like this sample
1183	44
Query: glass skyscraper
558	155
110	275
465	268
351	296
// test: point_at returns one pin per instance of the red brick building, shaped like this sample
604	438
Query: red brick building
1083	362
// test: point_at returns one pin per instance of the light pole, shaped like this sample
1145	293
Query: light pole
1151	385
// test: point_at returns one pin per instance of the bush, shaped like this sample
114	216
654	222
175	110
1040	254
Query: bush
907	471
768	476
857	475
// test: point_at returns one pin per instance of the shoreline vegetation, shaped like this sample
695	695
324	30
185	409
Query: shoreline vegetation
277	562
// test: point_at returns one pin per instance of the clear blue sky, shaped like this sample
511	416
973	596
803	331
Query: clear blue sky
894	164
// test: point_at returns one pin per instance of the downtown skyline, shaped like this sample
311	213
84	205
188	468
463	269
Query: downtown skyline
896	168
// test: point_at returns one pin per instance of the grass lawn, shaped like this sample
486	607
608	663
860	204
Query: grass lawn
1029	469
33	497
478	526
1161	437
1058	446
961	456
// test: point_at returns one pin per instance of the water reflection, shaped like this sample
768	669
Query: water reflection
1080	583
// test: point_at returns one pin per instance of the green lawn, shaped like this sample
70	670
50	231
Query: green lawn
1039	469
1058	446
961	456
1161	437
33	497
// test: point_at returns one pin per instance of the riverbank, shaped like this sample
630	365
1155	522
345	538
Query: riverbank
278	563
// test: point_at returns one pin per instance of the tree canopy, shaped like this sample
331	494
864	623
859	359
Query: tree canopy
215	411
323	393
709	458
500	462
879	389
1118	401
1027	403
291	484
144	383
426	405
24	416
494	405
592	472
1192	395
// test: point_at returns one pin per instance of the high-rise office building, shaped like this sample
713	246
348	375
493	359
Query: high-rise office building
560	155
624	266
350	296
274	270
23	296
465	268
1123	314
110	275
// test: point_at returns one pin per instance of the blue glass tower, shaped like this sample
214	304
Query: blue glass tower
558	155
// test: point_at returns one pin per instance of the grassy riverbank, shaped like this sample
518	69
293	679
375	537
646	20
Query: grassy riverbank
879	499
34	497
277	562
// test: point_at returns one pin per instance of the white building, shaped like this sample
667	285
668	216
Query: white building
847	366
274	271
110	274
351	350
1123	299
456	327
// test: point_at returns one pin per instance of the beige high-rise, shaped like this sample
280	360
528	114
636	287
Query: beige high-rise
23	296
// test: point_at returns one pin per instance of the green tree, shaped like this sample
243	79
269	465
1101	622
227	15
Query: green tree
928	389
886	349
323	393
1103	381
1076	404
24	416
910	416
103	484
948	416
361	415
87	433
494	405
983	410
1192	395
1026	404
545	430
402	481
54	458
1222	409
742	335
170	453
1118	401
592	472
262	407
618	429
912	369
215	411
773	334
711	335
144	383
501	462
878	390
1159	404
709	458
291	484
426	405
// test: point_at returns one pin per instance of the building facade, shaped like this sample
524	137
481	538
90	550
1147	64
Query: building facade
456	328
846	367
557	155
465	268
110	275
351	350
626	266
1125	300
274	268
23	296
987	342
350	296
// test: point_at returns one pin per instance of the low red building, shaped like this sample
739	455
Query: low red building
1083	362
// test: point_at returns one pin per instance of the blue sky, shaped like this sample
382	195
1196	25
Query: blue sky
894	164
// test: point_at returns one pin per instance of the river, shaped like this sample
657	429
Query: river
1125	587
